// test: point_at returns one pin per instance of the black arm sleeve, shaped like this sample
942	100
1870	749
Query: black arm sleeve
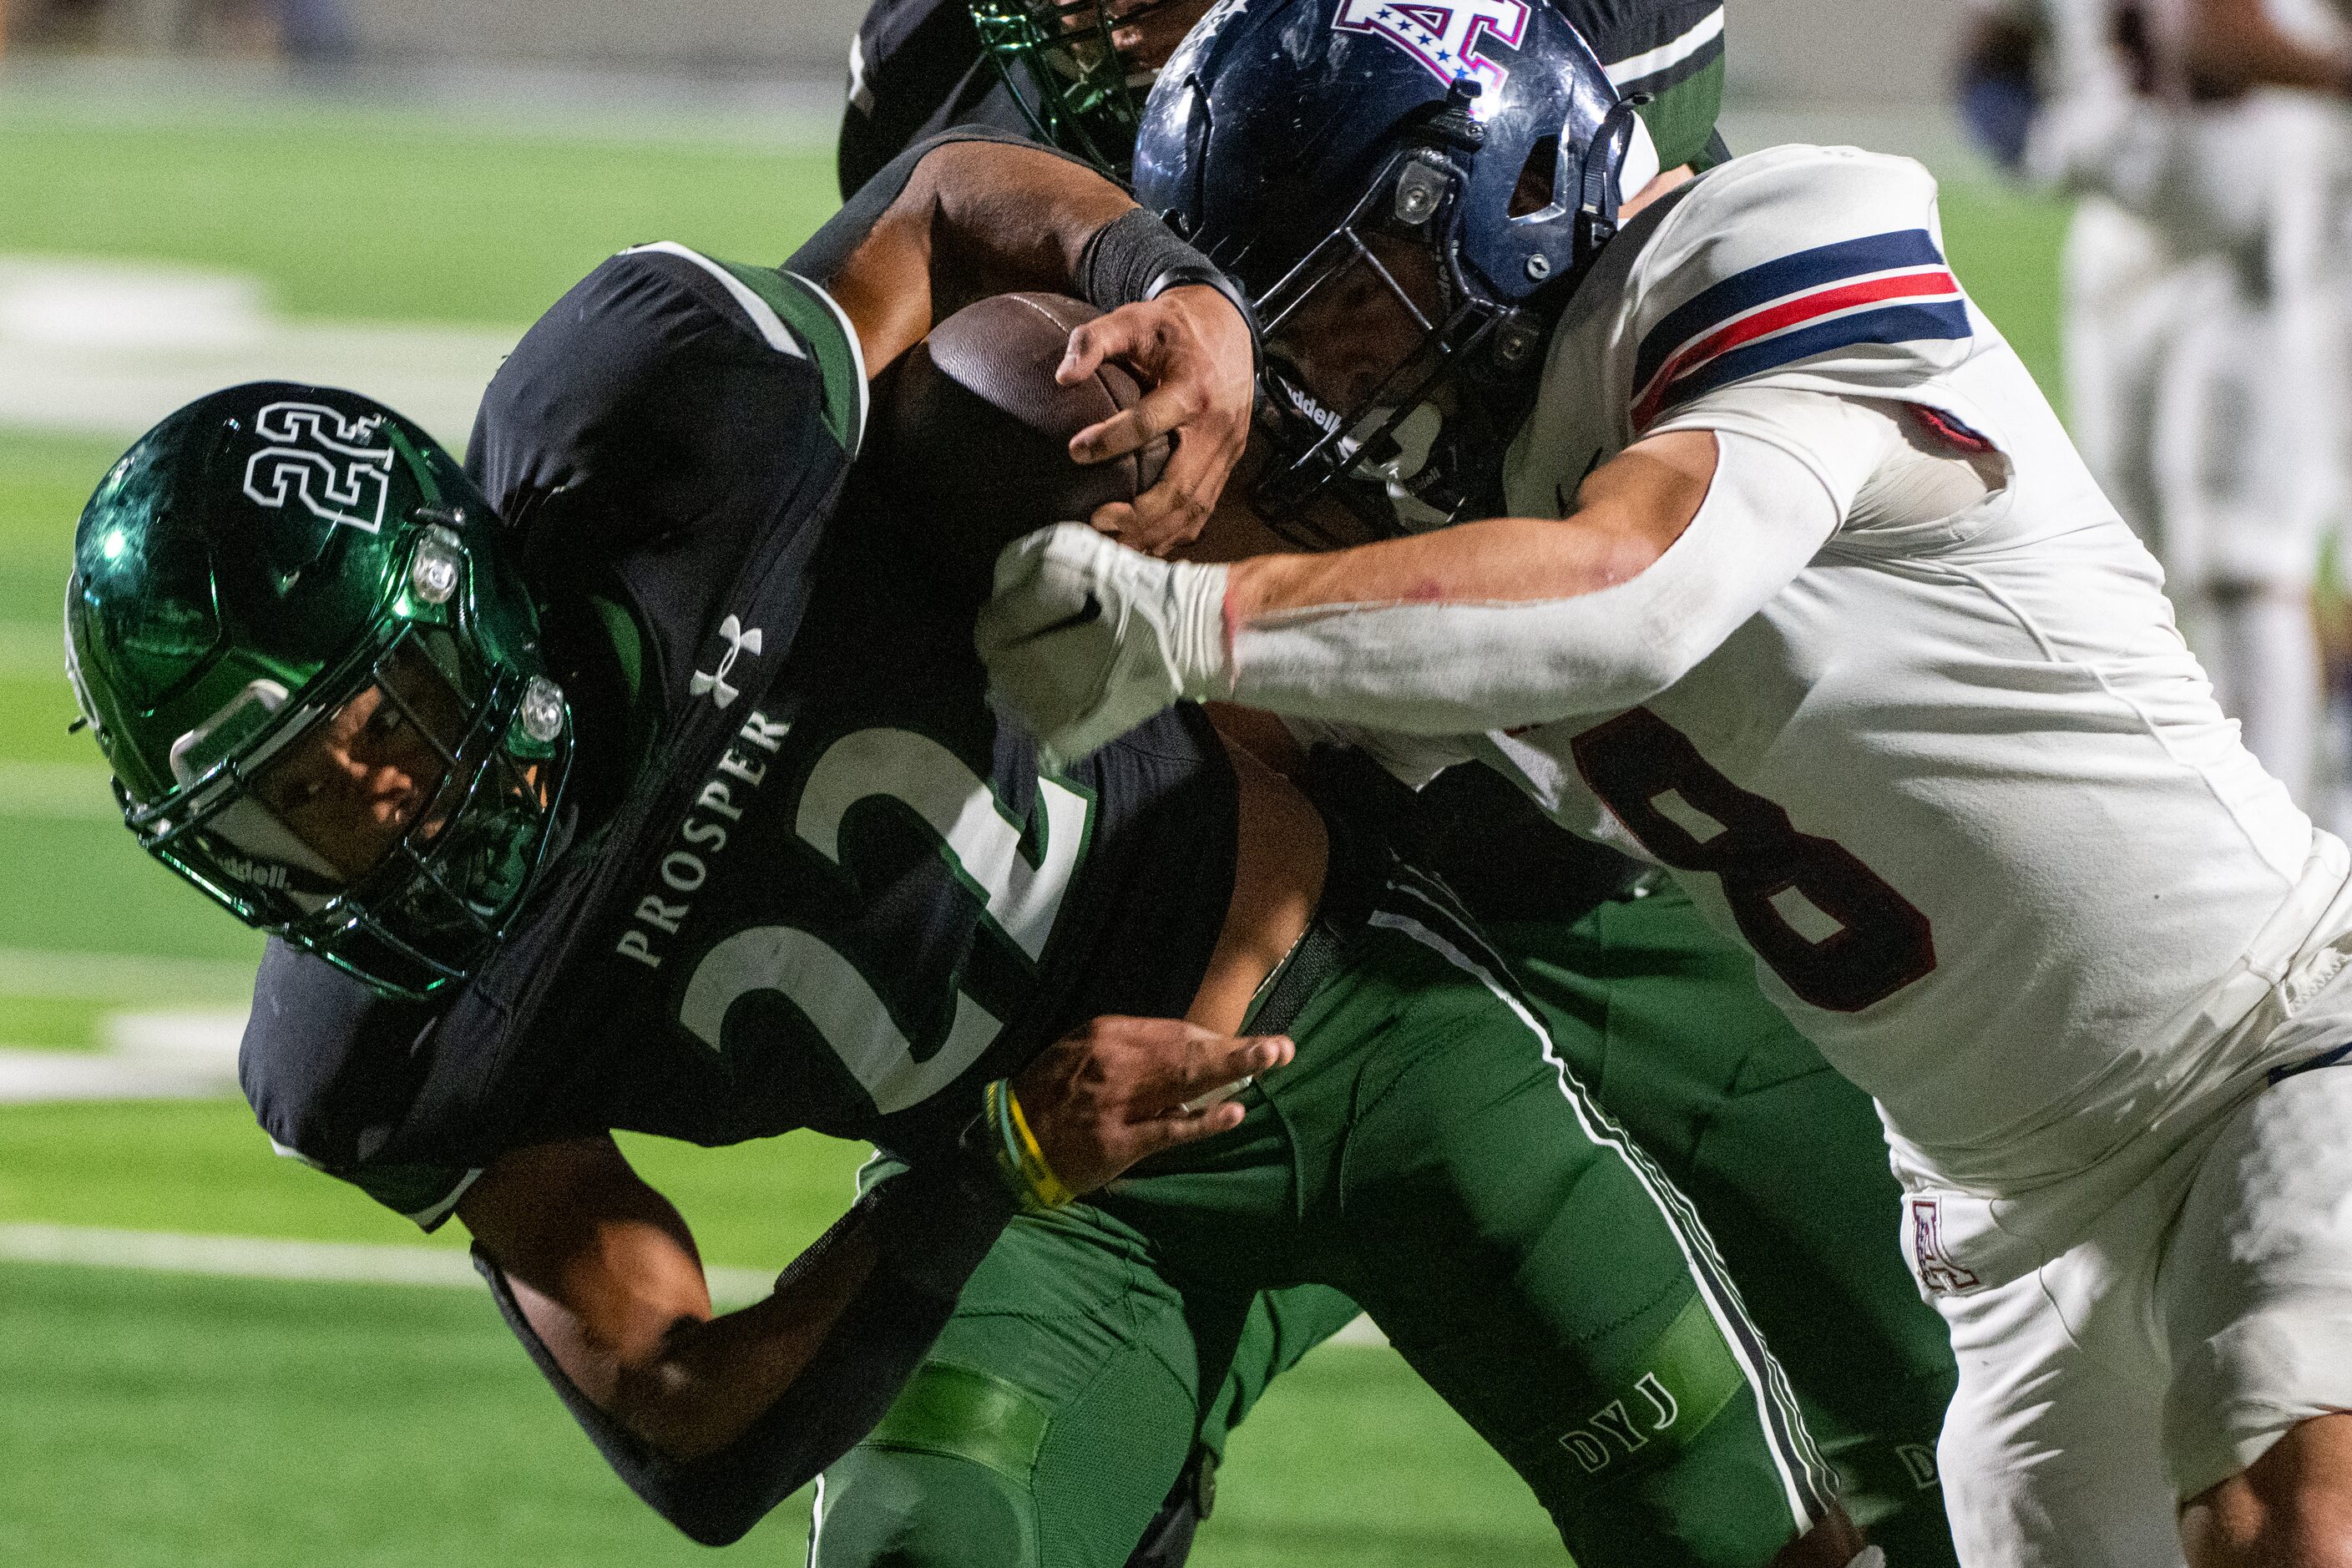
931	1226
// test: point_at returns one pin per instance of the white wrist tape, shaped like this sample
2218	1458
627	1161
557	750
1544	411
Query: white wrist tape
1448	667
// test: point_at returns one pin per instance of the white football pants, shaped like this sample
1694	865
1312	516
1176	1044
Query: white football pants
2203	1315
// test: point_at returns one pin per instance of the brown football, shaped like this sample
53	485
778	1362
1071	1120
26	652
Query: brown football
979	431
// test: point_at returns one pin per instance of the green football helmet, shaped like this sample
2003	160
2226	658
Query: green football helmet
1072	84
293	626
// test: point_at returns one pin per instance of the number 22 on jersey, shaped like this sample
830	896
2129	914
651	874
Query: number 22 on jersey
982	846
1828	925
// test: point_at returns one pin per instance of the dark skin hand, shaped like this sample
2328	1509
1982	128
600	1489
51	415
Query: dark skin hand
983	217
608	1274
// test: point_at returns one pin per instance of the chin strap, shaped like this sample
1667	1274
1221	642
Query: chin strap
1597	194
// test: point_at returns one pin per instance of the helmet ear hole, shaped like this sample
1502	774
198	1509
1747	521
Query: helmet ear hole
1537	190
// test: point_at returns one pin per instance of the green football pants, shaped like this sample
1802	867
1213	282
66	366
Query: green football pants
1786	1162
1427	1154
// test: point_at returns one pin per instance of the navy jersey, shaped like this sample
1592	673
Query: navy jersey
822	884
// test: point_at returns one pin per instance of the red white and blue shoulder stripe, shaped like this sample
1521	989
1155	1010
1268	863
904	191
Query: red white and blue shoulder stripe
1891	287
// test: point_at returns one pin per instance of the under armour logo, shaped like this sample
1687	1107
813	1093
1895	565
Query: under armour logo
1444	35
738	642
321	463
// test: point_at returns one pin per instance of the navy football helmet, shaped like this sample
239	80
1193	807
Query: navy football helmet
1444	171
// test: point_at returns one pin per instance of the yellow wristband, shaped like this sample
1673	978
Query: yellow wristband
1050	1189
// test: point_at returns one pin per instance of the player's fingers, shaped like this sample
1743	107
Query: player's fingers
1156	528
1166	407
1173	512
1116	518
1034	590
1208	1062
1149	1138
1114	336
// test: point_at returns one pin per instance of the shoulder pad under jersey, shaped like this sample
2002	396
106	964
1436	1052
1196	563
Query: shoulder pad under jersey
1820	267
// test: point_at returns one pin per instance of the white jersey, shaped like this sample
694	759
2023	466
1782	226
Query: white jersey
1960	784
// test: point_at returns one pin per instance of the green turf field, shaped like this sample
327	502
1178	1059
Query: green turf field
163	1419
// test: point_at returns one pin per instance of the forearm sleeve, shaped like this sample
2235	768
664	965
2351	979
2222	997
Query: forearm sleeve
931	1226
1446	668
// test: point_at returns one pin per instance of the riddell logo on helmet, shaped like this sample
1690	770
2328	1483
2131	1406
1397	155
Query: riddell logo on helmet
258	873
318	460
1442	35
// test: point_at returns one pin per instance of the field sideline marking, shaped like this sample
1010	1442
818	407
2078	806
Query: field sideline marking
30	650
270	1257
126	977
340	1262
59	791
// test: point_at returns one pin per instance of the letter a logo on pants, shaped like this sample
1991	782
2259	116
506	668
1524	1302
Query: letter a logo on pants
1939	1275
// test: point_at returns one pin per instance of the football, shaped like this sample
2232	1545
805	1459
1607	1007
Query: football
980	430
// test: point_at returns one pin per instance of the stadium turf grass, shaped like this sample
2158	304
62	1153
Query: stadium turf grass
357	213
2004	246
193	1423
235	1422
203	1167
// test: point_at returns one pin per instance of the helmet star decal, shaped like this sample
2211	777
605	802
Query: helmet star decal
1442	35
334	476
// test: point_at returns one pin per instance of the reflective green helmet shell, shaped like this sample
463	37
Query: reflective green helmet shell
1057	58
293	627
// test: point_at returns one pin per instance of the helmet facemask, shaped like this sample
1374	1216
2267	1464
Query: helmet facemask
391	830
1078	90
1385	277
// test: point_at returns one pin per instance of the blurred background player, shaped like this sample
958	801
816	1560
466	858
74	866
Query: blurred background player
2206	143
310	33
1659	1014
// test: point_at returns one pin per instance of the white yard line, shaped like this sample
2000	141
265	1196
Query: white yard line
132	979
56	792
268	1258
171	1033
338	1262
30	649
105	348
45	1077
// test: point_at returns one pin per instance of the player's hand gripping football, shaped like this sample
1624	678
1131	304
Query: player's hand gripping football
1193	350
1085	638
1114	1092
